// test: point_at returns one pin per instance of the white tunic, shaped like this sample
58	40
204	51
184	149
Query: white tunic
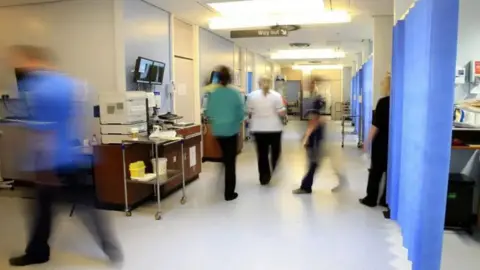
264	110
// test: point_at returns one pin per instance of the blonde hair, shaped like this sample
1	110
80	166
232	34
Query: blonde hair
265	80
34	53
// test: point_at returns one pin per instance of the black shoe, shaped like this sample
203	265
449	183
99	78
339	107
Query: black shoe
26	260
367	202
231	197
265	181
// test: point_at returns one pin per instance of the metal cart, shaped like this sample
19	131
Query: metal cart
159	180
347	117
4	184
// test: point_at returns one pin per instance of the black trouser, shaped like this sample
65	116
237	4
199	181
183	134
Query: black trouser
43	214
307	181
229	146
266	142
376	172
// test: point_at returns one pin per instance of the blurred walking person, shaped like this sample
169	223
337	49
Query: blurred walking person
225	112
319	143
267	113
50	97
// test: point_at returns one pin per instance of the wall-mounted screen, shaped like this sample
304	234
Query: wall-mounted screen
143	70
156	73
214	77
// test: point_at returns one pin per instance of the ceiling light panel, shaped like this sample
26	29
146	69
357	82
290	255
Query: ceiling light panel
252	20
267	7
307	54
316	67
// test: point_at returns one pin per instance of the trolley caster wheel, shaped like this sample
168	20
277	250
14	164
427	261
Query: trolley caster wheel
183	200
343	146
158	216
128	213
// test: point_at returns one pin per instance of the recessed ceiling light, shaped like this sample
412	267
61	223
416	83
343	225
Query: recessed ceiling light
289	28
313	67
300	45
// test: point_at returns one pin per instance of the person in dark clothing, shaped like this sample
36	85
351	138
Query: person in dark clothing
315	142
378	136
58	163
313	145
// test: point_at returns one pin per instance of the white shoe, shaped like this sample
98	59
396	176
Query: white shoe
342	183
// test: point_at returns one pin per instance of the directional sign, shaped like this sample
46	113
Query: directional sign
259	33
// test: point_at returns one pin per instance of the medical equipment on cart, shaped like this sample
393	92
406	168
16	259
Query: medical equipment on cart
122	112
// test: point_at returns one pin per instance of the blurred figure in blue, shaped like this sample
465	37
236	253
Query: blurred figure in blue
50	99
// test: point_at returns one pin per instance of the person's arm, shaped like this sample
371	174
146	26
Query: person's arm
377	118
210	105
312	125
249	106
240	108
371	135
279	106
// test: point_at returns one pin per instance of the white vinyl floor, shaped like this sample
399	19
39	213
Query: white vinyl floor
266	228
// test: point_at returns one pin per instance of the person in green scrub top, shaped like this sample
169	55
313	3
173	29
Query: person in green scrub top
225	113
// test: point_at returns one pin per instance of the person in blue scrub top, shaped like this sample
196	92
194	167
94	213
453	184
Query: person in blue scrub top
50	95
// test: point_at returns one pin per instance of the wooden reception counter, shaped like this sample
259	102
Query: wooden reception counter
211	149
109	183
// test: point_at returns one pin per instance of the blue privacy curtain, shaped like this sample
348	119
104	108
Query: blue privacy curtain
423	73
354	100
360	104
367	96
396	112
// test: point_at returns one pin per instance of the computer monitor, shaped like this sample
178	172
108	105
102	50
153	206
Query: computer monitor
214	77
157	72
143	70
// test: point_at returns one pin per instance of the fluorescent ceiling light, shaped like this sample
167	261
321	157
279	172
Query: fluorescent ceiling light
313	67
307	54
249	20
267	7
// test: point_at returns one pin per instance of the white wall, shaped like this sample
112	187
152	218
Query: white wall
382	52
214	51
146	33
260	69
468	40
401	7
346	85
81	33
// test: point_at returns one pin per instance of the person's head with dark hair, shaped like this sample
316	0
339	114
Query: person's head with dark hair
224	75
30	57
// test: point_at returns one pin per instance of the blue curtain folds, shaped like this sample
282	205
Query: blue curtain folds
396	112
367	96
423	68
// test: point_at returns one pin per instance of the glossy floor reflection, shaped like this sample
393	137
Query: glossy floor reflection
266	228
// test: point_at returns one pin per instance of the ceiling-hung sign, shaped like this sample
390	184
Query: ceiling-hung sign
259	33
